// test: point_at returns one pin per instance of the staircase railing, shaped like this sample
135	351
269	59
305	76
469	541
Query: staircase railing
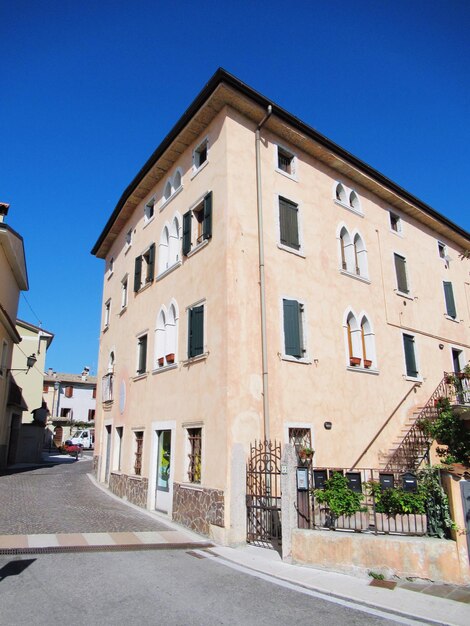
415	445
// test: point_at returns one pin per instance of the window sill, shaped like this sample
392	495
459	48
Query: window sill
363	279
168	200
293	359
299	252
349	208
149	221
195	359
122	311
287	175
402	294
191	486
127	248
413	379
140	376
363	370
451	319
397	234
197	248
110	275
165	368
105	329
169	270
199	169
146	286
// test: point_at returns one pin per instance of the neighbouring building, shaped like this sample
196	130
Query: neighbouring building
70	397
13	279
27	435
263	283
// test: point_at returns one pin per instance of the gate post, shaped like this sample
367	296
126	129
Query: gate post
237	534
288	498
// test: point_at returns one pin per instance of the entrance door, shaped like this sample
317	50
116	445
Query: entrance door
108	453
461	386
162	496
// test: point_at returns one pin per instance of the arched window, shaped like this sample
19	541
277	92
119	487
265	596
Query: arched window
354	340
360	257
111	363
167	191
354	201
171	335
347	250
177	180
163	251
160	339
174	242
368	343
340	193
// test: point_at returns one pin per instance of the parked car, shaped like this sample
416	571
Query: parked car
84	438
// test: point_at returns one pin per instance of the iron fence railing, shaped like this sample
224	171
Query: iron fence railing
315	515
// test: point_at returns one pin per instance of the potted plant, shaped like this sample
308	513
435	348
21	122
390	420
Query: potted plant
343	506
161	361
367	363
354	360
306	454
170	358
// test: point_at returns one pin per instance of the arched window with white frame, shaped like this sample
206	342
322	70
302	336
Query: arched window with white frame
360	257
346	250
174	242
177	181
354	201
353	337
160	339
111	362
368	344
167	191
340	193
163	250
171	334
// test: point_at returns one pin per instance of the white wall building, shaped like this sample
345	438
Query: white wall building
70	397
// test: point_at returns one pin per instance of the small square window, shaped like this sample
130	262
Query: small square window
197	224
124	292
107	313
149	210
441	248
200	154
111	267
129	237
395	222
285	161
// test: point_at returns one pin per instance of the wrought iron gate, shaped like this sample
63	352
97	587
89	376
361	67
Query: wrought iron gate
263	494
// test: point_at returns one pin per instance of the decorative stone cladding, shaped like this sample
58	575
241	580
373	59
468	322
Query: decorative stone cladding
96	461
197	508
132	488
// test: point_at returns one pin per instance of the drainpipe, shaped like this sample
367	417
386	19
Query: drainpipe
261	275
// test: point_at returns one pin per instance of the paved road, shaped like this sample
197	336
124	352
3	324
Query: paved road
161	587
62	499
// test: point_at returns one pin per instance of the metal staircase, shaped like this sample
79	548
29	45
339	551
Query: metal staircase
414	447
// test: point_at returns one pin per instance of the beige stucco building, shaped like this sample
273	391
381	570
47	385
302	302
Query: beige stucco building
13	279
301	296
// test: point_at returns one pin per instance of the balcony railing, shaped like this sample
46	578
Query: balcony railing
317	516
107	388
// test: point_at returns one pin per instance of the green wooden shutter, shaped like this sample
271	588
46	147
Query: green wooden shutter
400	268
410	358
138	273
196	331
292	328
151	263
207	223
187	233
450	302
288	220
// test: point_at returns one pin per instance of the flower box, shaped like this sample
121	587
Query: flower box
161	361
170	358
367	363
354	360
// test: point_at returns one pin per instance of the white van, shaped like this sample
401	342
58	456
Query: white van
84	438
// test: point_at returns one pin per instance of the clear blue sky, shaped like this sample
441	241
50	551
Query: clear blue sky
89	89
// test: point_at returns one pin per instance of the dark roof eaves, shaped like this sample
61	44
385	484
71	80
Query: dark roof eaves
222	75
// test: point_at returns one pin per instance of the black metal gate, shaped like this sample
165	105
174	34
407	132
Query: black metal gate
263	494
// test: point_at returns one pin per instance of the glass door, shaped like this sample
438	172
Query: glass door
162	499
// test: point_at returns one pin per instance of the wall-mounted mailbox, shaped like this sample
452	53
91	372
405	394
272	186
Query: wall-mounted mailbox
410	482
319	478
354	481
302	479
386	481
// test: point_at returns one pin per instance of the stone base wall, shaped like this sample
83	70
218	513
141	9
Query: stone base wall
96	462
198	508
132	488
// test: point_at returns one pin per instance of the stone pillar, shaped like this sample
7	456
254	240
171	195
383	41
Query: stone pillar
237	520
288	498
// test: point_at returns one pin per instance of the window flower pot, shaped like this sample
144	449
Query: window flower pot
354	360
161	361
367	363
170	358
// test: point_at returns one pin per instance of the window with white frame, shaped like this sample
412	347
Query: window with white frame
167	191
353	253
124	291
110	267
169	246
294	324
149	210
401	273
289	223
141	354
360	341
177	180
451	310
166	335
144	268
347	198
107	314
441	250
360	257
368	344
4	359
409	348
163	250
285	161
396	225
128	238
200	155
340	193
197	224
